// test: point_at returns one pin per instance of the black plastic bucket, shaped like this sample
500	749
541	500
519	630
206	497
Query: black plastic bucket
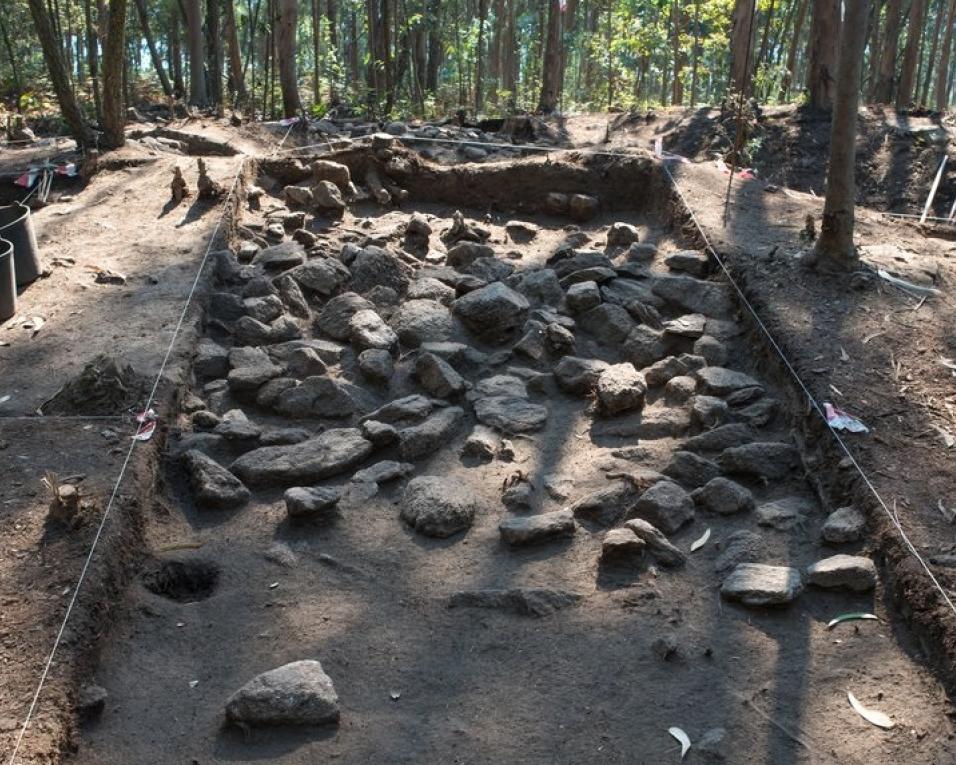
16	226
8	281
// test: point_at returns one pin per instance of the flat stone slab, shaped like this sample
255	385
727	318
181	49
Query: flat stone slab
330	453
299	693
756	584
720	381
849	572
510	414
785	513
214	486
535	529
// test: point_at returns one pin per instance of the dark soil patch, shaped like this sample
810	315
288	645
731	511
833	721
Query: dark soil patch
185	581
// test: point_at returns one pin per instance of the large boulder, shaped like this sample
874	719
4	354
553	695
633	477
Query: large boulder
299	693
494	313
437	506
328	454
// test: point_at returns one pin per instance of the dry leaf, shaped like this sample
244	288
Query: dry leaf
682	737
844	356
698	543
870	715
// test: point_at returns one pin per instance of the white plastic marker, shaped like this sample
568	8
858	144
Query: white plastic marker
870	715
683	738
932	191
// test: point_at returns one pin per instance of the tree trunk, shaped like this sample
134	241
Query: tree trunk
791	69
214	51
332	9
928	77
176	56
58	76
153	52
550	70
768	22
237	82
904	94
17	86
434	45
197	69
114	115
494	54
942	74
509	75
869	80
824	53
480	56
834	249
741	64
883	90
386	47
677	92
285	46
316	51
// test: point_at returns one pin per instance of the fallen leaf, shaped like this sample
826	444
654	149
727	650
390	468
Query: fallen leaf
698	543
844	356
870	715
854	616
682	737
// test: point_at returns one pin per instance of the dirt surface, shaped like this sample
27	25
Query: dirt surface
369	597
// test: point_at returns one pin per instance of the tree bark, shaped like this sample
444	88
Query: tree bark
153	52
286	45
176	55
904	94
480	56
883	90
114	116
834	249
824	53
197	70
214	51
791	68
741	63
677	90
58	76
17	86
237	82
433	16
550	69
316	51
942	74
332	9
931	61
695	55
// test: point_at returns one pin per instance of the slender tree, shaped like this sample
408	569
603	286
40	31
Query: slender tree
885	80
824	53
942	74
835	249
551	66
153	50
114	115
904	95
286	49
237	80
197	68
741	37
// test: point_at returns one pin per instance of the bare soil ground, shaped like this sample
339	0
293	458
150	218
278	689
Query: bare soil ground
420	682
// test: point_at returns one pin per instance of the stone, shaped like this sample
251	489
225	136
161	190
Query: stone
336	315
532	344
769	460
305	362
610	324
376	364
722	496
317	396
337	173
213	485
374	266
695	295
643	346
422	321
657	544
660	372
383	472
711	349
438	377
494	313
429	288
578	376
541	287
249	331
509	414
712	744
518	496
784	514
680	389
719	381
268	394
368	330
596	274
641	252
204	419
622	546
620	388
297	195
607	506
280	257
482	443
690	469
666	505
525	601
583	296
328	454
692	262
379	433
689	325
501	385
299	693
279	436
226	306
236	427
465	253
757	584
211	360
327	198
622	235
845	524
624	292
490	269
412	408
438	507
720	438
757	414
708	412
583	207
310	502
537	529
291	296
560	340
521	231
556	203
739	547
90	702
325	276
429	436
848	572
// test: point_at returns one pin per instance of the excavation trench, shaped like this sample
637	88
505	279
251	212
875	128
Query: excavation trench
465	647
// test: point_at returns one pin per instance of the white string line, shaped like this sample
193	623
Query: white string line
810	397
119	480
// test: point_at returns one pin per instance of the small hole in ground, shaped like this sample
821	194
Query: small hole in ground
183	580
